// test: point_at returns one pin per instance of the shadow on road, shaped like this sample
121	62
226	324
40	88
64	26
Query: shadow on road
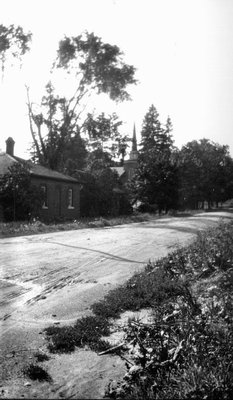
108	255
192	230
174	228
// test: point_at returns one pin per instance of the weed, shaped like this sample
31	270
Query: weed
29	228
41	356
86	331
35	372
187	353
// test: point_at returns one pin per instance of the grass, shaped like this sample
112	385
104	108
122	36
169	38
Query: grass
86	331
187	352
20	228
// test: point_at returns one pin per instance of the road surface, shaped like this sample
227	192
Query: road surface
54	278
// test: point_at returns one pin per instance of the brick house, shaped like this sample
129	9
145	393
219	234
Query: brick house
62	192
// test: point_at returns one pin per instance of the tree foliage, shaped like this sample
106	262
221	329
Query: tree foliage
19	199
101	196
155	137
97	66
14	43
94	67
206	170
155	181
103	134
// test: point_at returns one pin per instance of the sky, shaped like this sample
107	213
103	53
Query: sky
182	51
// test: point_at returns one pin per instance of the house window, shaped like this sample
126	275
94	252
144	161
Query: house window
44	190
70	198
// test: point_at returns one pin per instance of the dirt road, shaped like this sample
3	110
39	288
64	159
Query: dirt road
54	278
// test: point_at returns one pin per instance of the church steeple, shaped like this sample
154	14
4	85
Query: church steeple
134	141
131	165
134	152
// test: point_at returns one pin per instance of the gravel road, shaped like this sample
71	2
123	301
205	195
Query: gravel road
54	278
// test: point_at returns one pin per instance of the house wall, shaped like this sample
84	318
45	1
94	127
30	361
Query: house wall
57	199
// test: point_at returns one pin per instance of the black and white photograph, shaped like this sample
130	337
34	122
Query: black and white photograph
116	199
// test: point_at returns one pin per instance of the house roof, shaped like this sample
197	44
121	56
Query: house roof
37	170
6	161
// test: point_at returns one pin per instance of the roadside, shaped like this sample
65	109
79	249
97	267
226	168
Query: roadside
11	229
68	272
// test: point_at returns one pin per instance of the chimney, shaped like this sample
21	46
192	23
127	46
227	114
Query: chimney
10	146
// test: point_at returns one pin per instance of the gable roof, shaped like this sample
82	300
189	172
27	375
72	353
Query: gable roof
36	170
6	161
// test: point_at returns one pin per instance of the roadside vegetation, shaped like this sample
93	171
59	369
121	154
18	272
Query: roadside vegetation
22	228
186	350
37	373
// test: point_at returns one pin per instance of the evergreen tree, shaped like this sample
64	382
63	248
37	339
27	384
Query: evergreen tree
156	179
154	136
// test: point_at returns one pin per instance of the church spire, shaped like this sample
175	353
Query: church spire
134	141
134	152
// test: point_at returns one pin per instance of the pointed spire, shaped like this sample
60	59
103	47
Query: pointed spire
134	152
134	141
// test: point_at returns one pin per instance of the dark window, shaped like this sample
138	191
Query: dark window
44	190
70	198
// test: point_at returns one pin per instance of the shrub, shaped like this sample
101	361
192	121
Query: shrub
35	372
19	199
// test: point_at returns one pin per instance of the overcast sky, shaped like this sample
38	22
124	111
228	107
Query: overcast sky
182	50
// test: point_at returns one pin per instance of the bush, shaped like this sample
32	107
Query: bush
35	372
19	199
146	207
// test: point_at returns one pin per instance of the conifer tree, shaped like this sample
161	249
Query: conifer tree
155	182
154	136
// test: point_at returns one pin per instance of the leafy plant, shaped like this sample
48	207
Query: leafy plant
41	356
35	372
19	198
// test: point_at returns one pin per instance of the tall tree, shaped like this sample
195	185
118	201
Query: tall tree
154	136
95	67
206	170
14	43
156	179
56	144
103	135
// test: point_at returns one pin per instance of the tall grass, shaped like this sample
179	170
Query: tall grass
19	228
